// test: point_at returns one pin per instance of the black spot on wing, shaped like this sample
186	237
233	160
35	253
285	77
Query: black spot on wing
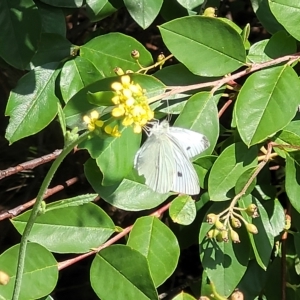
179	174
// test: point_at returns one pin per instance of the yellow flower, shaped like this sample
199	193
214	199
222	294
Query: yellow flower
131	103
92	120
112	131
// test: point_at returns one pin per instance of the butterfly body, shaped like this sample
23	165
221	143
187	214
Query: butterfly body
164	159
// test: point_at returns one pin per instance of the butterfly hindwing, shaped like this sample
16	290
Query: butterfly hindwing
192	142
185	178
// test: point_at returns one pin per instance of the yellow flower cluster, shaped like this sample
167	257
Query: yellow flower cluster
131	104
93	122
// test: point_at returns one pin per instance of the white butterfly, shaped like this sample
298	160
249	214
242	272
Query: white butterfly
164	159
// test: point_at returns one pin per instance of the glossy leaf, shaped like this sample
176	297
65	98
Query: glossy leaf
189	35
190	4
19	36
183	296
40	272
52	47
53	19
143	11
265	16
280	44
201	114
292	181
114	155
183	210
75	201
104	54
74	229
128	194
65	3
227	169
287	14
120	272
244	179
32	105
225	263
262	111
145	237
98	10
75	75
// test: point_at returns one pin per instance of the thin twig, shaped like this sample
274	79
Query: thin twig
30	164
18	209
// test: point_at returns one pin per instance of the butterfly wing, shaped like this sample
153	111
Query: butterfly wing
185	178
192	142
155	161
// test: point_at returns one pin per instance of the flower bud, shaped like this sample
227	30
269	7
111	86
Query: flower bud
219	225
237	295
225	236
287	225
129	72
234	236
4	278
212	233
118	71
251	208
135	54
219	238
160	57
209	12
235	222
211	219
251	228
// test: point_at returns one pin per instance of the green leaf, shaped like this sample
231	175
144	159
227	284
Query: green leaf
40	272
73	229
183	210
202	166
143	11
265	16
183	296
32	105
98	10
243	180
292	181
103	52
65	3
190	4
120	272
287	13
52	47
128	194
20	31
53	19
224	263
75	75
114	155
253	281
101	98
201	114
75	201
262	111
280	44
189	35
227	169
145	237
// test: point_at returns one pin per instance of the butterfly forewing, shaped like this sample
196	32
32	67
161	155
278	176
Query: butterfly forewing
192	142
